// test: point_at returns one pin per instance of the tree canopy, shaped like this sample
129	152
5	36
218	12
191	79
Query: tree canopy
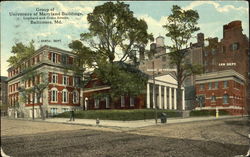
21	52
113	32
114	36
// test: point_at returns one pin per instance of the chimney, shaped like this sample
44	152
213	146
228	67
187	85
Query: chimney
200	38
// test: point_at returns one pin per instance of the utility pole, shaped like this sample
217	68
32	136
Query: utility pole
154	93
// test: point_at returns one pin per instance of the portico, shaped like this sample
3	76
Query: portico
165	93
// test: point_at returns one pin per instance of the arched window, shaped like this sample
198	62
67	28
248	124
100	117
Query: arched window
65	96
213	98
75	97
54	93
225	99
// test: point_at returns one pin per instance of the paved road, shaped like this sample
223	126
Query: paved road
223	138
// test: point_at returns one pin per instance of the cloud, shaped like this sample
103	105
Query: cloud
43	34
154	26
217	6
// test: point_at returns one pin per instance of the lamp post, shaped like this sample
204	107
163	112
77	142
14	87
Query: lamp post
86	103
154	93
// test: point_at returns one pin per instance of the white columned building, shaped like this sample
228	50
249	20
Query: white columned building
169	85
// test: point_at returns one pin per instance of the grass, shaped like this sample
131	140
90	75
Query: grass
124	115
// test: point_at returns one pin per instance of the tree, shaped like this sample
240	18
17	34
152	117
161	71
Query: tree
21	52
181	24
39	81
114	35
113	31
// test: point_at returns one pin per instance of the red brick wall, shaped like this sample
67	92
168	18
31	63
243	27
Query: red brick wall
238	92
115	103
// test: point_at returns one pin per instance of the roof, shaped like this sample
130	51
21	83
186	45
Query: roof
220	74
42	49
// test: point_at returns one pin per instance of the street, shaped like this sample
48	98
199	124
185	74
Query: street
221	138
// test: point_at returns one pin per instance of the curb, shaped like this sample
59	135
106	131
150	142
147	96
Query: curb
125	127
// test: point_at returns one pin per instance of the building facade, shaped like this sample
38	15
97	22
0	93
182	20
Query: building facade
158	61
62	92
96	95
230	53
224	90
3	95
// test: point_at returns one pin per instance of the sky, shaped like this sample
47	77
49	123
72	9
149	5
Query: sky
213	15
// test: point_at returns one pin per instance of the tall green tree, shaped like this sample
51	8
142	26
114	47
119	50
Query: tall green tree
113	32
180	26
114	35
21	52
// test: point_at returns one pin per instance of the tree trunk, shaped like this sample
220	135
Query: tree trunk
179	91
40	106
33	106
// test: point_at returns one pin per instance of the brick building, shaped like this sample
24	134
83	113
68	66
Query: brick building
63	91
3	95
230	53
96	95
224	90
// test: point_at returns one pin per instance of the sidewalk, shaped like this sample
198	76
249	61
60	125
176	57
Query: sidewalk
134	124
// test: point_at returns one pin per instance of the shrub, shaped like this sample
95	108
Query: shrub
135	114
207	113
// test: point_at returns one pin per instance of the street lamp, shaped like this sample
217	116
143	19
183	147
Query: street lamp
86	103
154	93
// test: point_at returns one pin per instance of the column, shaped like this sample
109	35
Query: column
170	98
183	100
165	97
175	104
148	95
160	104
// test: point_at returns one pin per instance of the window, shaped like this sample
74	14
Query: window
235	46
216	85
210	85
201	86
213	61
65	109
132	101
107	102
97	103
164	58
225	99
65	80
225	84
53	57
54	78
213	51
205	53
213	98
64	59
164	66
53	111
54	95
65	96
224	49
76	81
122	101
75	97
205	63
35	97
